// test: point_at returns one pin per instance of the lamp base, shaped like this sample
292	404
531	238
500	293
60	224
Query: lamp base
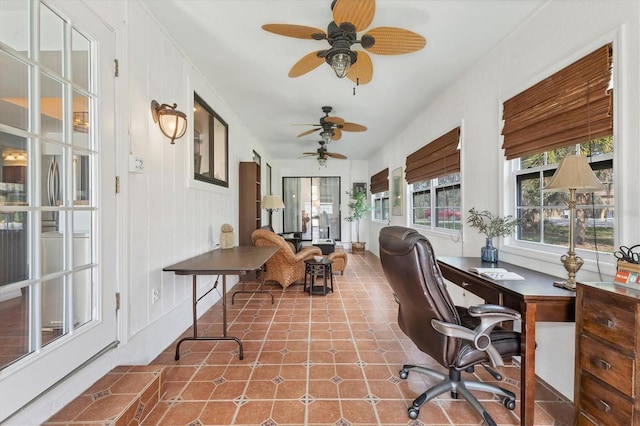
565	284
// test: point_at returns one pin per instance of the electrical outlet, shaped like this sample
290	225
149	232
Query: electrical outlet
155	295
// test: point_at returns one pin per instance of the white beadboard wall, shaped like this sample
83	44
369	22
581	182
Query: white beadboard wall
558	34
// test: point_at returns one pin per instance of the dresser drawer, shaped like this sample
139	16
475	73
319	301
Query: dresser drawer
487	292
613	321
604	404
607	364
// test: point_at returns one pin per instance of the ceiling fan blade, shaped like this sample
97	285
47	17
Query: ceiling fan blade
308	63
334	120
308	132
395	41
297	31
362	71
337	134
336	155
306	154
353	127
360	13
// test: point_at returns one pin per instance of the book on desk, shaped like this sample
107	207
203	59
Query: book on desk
497	273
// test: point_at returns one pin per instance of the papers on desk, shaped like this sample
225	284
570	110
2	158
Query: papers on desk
497	273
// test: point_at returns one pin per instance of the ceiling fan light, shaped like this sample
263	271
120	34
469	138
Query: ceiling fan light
341	62
322	161
327	136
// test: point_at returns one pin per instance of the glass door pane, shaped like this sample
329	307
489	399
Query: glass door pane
312	207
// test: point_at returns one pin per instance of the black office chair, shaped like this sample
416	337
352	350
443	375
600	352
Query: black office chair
429	318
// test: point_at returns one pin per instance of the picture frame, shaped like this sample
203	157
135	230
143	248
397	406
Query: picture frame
210	145
397	198
359	187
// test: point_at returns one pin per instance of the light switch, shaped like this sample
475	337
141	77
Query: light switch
136	164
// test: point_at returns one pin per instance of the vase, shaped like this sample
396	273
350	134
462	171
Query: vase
489	253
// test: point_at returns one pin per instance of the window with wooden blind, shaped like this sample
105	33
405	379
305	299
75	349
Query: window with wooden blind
571	106
434	174
379	187
380	181
566	113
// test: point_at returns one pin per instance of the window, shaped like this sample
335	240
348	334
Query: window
379	188
210	145
569	112
433	172
546	214
381	205
435	203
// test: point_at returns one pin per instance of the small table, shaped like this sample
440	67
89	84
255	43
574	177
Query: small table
233	261
327	245
315	270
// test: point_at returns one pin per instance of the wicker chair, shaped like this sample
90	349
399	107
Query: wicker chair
285	267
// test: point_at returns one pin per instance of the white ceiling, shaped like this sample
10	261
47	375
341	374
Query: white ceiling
248	66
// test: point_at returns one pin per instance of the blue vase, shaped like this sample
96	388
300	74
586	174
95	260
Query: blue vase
489	253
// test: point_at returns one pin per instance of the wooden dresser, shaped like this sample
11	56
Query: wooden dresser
607	349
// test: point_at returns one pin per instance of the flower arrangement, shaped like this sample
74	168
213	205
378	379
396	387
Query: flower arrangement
492	226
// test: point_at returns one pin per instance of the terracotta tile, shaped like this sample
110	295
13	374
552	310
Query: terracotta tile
182	413
288	412
291	389
324	411
254	412
218	413
358	411
261	389
197	391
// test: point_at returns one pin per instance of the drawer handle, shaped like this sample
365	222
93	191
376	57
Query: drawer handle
465	284
602	363
605	406
605	322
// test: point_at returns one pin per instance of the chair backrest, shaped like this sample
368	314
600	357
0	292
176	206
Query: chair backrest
264	237
410	266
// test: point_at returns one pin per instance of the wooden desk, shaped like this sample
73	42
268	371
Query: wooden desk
233	261
535	298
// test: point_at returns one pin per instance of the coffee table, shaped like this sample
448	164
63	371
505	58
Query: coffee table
327	245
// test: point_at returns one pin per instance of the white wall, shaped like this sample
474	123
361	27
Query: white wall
558	34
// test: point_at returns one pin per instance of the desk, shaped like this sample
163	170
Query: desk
233	261
535	298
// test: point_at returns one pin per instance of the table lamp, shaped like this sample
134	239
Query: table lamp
271	203
573	175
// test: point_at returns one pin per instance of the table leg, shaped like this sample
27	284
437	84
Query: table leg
528	364
259	290
195	319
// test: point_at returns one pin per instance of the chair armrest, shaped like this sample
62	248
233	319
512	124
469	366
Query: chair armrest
490	316
307	253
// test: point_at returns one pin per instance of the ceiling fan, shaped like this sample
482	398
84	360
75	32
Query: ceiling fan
322	154
349	18
331	128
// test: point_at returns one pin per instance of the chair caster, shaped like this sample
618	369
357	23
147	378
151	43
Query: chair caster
403	374
413	413
510	403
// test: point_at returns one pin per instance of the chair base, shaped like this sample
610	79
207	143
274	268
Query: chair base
456	386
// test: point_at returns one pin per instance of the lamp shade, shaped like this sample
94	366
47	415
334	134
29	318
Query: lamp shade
272	202
574	172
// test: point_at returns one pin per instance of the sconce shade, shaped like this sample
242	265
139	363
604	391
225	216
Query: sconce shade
574	172
173	123
272	202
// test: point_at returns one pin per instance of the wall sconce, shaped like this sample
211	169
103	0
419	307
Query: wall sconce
573	175
173	123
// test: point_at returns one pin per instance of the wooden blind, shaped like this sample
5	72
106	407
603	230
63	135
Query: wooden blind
572	106
438	158
380	181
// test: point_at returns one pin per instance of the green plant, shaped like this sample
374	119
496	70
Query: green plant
492	226
359	209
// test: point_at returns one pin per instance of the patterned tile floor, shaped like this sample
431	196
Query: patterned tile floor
319	360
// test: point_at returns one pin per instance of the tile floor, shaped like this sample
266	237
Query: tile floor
319	360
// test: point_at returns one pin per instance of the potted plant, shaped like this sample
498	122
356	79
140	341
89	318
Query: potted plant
359	209
491	226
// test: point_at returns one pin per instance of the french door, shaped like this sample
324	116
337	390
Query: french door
57	198
312	206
